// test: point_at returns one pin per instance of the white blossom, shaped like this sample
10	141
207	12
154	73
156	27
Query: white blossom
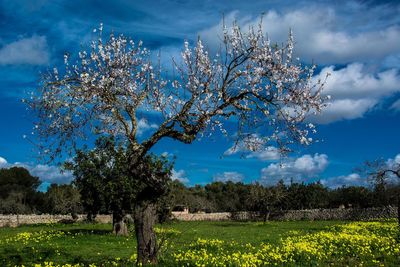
252	82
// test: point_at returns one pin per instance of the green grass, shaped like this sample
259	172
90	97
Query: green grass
243	232
94	243
86	243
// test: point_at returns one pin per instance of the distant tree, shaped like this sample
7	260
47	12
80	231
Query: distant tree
14	203
317	196
223	195
266	200
18	190
296	196
352	196
63	199
177	194
250	80
393	193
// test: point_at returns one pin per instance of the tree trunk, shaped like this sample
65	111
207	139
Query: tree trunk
266	217
90	217
145	218
119	225
398	210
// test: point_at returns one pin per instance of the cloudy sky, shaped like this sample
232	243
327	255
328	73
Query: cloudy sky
357	42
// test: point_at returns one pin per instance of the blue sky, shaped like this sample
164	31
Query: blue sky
358	42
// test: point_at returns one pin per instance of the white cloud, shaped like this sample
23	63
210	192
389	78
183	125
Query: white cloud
180	176
353	179
228	176
354	91
143	126
249	143
32	51
46	173
311	165
355	81
254	147
3	162
396	105
50	174
343	109
268	153
342	47
393	162
319	34
298	169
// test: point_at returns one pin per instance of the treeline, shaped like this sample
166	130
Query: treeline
231	197
19	195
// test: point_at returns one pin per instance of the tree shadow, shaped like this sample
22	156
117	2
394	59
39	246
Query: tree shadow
230	224
87	232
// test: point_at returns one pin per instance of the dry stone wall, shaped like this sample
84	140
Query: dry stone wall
341	214
324	214
217	216
16	220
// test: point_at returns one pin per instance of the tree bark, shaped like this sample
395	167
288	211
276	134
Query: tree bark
145	218
119	225
398	210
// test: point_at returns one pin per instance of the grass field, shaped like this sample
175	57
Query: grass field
299	243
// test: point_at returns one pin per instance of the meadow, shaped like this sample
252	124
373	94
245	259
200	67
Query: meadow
300	243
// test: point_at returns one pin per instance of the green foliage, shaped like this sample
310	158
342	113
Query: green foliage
104	184
354	196
63	199
18	190
265	200
227	196
101	176
234	197
108	184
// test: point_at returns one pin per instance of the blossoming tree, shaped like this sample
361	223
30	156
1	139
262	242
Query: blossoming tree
253	84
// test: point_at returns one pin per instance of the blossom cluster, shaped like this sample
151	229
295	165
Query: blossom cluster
250	80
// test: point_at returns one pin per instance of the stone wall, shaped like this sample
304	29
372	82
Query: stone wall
324	214
291	215
16	220
217	216
342	214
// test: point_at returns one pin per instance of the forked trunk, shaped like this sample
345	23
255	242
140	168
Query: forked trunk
119	225
145	218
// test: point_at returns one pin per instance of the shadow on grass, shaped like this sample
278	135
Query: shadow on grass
230	224
87	232
10	256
